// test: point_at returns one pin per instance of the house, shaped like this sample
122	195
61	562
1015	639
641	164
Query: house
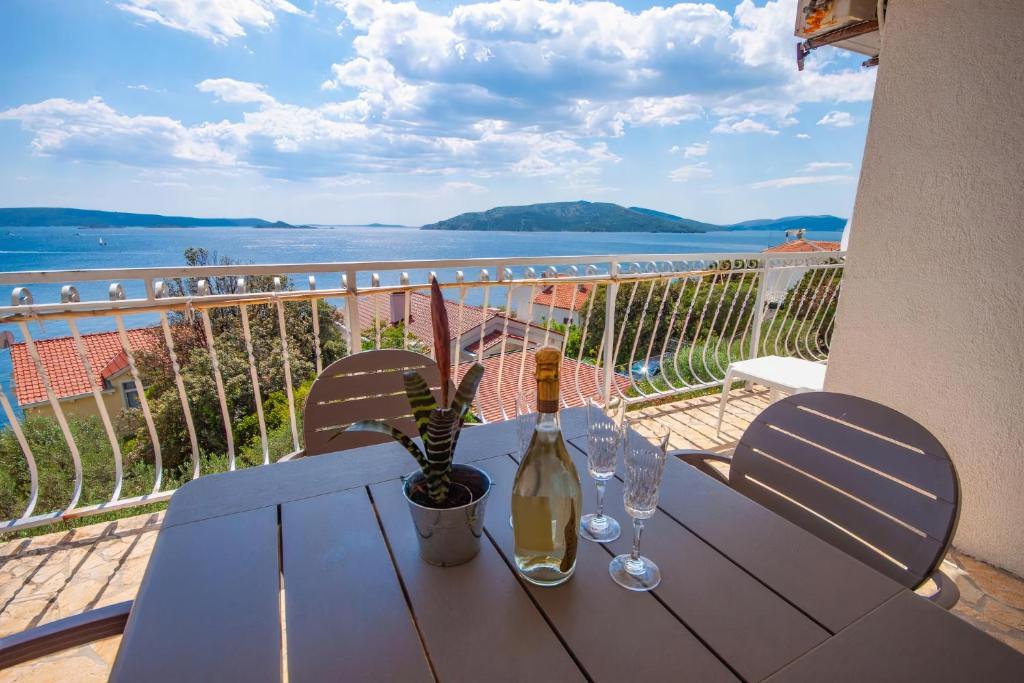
561	303
68	377
471	328
495	399
778	281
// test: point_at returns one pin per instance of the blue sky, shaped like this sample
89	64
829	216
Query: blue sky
349	111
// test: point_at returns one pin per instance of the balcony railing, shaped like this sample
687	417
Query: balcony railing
646	327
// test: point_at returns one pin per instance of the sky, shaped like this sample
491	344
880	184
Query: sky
353	111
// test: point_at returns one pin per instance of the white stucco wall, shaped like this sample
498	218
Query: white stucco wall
931	317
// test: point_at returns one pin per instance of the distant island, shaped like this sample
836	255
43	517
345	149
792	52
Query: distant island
84	218
584	216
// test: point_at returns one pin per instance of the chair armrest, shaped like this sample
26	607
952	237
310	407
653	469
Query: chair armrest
291	456
63	634
946	593
699	459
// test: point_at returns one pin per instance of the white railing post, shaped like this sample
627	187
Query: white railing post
758	313
608	337
355	334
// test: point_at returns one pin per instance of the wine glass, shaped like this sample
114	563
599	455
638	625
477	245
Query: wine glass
604	436
644	460
526	422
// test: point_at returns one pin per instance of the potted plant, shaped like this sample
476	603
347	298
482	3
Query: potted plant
446	500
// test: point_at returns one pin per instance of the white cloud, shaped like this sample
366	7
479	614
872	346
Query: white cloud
839	119
93	131
690	172
230	90
526	87
697	149
799	180
824	166
216	20
144	87
743	126
802	136
460	186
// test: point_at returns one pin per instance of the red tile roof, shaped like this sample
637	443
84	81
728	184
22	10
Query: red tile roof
573	384
64	368
562	296
802	245
419	314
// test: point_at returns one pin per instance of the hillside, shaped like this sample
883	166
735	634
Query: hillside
41	216
562	216
791	222
603	217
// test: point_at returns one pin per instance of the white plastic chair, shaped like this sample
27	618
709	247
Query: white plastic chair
778	373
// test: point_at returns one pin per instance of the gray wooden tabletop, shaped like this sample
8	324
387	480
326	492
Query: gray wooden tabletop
309	569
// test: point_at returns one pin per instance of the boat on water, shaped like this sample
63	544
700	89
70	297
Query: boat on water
103	242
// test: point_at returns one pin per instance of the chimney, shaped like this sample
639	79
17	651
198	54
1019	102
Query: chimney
398	308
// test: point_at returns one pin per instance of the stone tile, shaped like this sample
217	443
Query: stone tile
998	583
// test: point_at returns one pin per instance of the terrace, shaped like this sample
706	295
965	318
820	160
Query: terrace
223	388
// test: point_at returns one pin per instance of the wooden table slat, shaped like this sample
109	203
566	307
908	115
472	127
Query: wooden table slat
908	639
747	624
822	581
478	623
208	606
344	608
615	634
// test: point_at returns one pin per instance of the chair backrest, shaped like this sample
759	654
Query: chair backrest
363	386
864	477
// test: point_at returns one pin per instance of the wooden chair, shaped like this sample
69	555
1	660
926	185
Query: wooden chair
363	386
63	634
857	474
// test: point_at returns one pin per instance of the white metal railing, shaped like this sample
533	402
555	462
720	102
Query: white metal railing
666	325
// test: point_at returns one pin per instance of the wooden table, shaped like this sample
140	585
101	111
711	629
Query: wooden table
311	566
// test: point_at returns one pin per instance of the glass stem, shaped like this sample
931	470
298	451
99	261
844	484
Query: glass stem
600	498
638	528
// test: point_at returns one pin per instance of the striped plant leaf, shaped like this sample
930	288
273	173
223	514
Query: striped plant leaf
440	429
382	428
467	390
420	400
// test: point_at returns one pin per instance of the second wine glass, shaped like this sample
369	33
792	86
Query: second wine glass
644	461
604	437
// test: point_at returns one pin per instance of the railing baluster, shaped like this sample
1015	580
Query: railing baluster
457	356
315	306
58	413
589	270
485	277
608	347
374	283
179	382
700	324
33	471
292	422
117	294
203	289
760	305
505	276
639	332
529	274
254	378
668	336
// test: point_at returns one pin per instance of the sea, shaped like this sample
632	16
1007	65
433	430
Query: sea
65	248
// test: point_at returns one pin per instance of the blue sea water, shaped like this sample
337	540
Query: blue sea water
62	248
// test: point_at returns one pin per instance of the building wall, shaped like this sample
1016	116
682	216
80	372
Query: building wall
85	406
931	317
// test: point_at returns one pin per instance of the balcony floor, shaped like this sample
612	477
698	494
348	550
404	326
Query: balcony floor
48	577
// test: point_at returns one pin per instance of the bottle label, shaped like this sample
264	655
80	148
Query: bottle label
533	516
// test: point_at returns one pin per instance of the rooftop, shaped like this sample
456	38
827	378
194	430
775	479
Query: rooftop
378	306
802	245
564	296
64	367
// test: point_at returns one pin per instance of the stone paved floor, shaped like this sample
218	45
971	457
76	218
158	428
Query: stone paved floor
53	576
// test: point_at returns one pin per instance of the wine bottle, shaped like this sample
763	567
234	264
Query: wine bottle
546	497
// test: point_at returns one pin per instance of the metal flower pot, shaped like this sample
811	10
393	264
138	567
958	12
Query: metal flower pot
451	536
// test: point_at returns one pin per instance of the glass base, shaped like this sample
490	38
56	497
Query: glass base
639	575
599	529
